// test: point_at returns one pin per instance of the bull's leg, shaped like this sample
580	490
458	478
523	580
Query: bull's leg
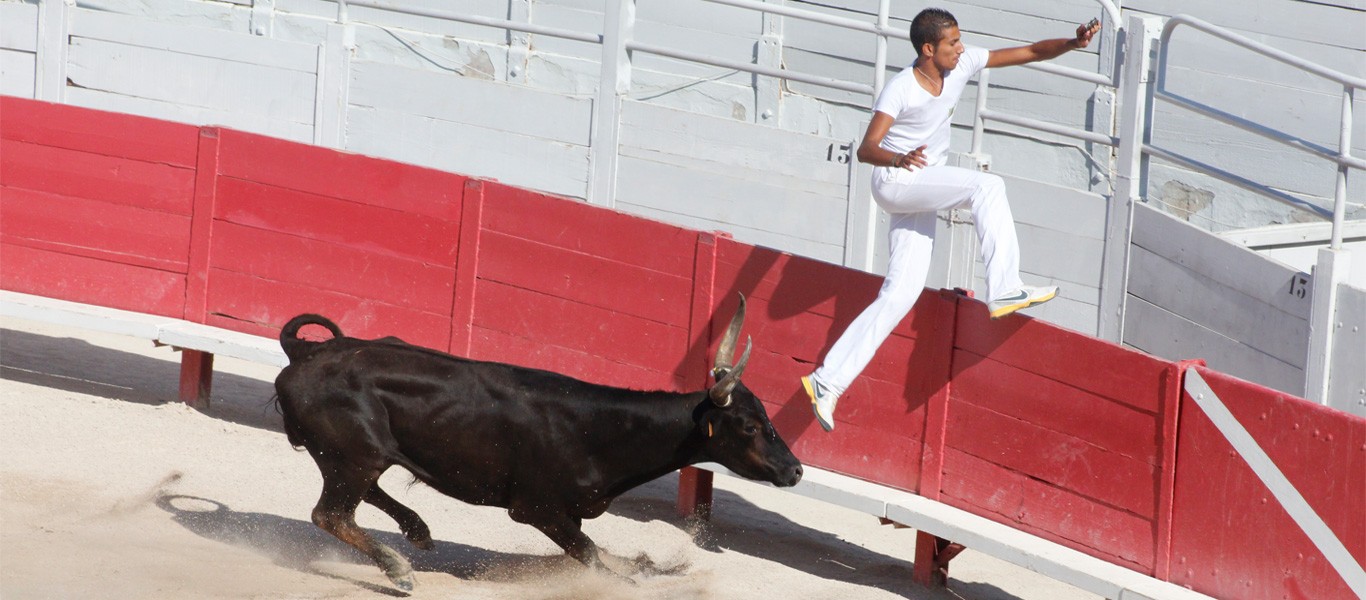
343	488
562	529
412	525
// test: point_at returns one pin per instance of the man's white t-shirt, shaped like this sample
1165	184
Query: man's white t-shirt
922	119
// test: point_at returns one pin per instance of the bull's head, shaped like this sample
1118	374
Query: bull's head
738	431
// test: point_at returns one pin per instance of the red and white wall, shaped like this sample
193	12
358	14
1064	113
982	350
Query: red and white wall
1059	434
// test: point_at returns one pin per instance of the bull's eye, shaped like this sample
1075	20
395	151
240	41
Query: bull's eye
751	430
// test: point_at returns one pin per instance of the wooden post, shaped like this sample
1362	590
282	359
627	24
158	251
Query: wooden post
694	492
196	378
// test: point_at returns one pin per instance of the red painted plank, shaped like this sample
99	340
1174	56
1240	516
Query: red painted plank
1052	457
98	132
499	346
795	285
1096	366
886	458
261	307
595	281
467	268
591	230
559	322
201	226
113	231
1027	504
1225	517
332	268
1298	435
325	172
376	229
1056	406
92	281
116	180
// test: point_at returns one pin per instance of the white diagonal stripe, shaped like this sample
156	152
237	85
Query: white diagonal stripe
1285	492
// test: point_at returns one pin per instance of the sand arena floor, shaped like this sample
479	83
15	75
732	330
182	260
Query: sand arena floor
110	489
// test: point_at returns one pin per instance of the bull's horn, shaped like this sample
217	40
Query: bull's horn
726	350
720	393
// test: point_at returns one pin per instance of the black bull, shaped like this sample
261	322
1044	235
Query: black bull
550	449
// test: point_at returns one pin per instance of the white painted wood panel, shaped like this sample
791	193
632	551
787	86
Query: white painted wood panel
191	81
1223	262
1199	299
830	253
18	73
489	105
767	151
1172	337
193	115
19	27
194	41
18	49
1347	384
731	200
520	160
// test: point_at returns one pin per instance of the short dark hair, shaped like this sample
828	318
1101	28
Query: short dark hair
928	27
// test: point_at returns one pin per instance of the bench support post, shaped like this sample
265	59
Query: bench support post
694	492
932	556
196	378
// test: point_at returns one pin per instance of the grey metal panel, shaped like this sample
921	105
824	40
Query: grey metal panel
1162	333
1347	385
487	104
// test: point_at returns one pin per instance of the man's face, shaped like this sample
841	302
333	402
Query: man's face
946	52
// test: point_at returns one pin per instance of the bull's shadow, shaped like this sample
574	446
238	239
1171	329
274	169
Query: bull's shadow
299	545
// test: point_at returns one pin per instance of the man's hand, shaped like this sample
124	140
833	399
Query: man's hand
912	160
1085	32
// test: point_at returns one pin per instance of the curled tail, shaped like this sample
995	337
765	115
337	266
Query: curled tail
296	348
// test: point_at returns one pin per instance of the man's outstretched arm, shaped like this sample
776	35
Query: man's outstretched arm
1044	50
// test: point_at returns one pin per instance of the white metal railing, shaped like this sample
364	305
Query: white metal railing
1342	157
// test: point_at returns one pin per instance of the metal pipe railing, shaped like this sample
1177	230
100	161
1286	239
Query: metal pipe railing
1342	157
751	68
1236	180
523	26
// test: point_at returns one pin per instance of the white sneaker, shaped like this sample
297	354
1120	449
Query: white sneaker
1024	297
822	402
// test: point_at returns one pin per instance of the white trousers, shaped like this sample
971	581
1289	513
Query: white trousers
912	198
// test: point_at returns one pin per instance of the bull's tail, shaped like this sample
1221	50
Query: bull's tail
296	348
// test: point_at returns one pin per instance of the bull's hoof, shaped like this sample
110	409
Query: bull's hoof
397	569
403	581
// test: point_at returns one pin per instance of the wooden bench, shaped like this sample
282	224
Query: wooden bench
199	343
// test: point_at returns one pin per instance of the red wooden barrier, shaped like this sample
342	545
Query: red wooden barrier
1061	435
1232	538
96	206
